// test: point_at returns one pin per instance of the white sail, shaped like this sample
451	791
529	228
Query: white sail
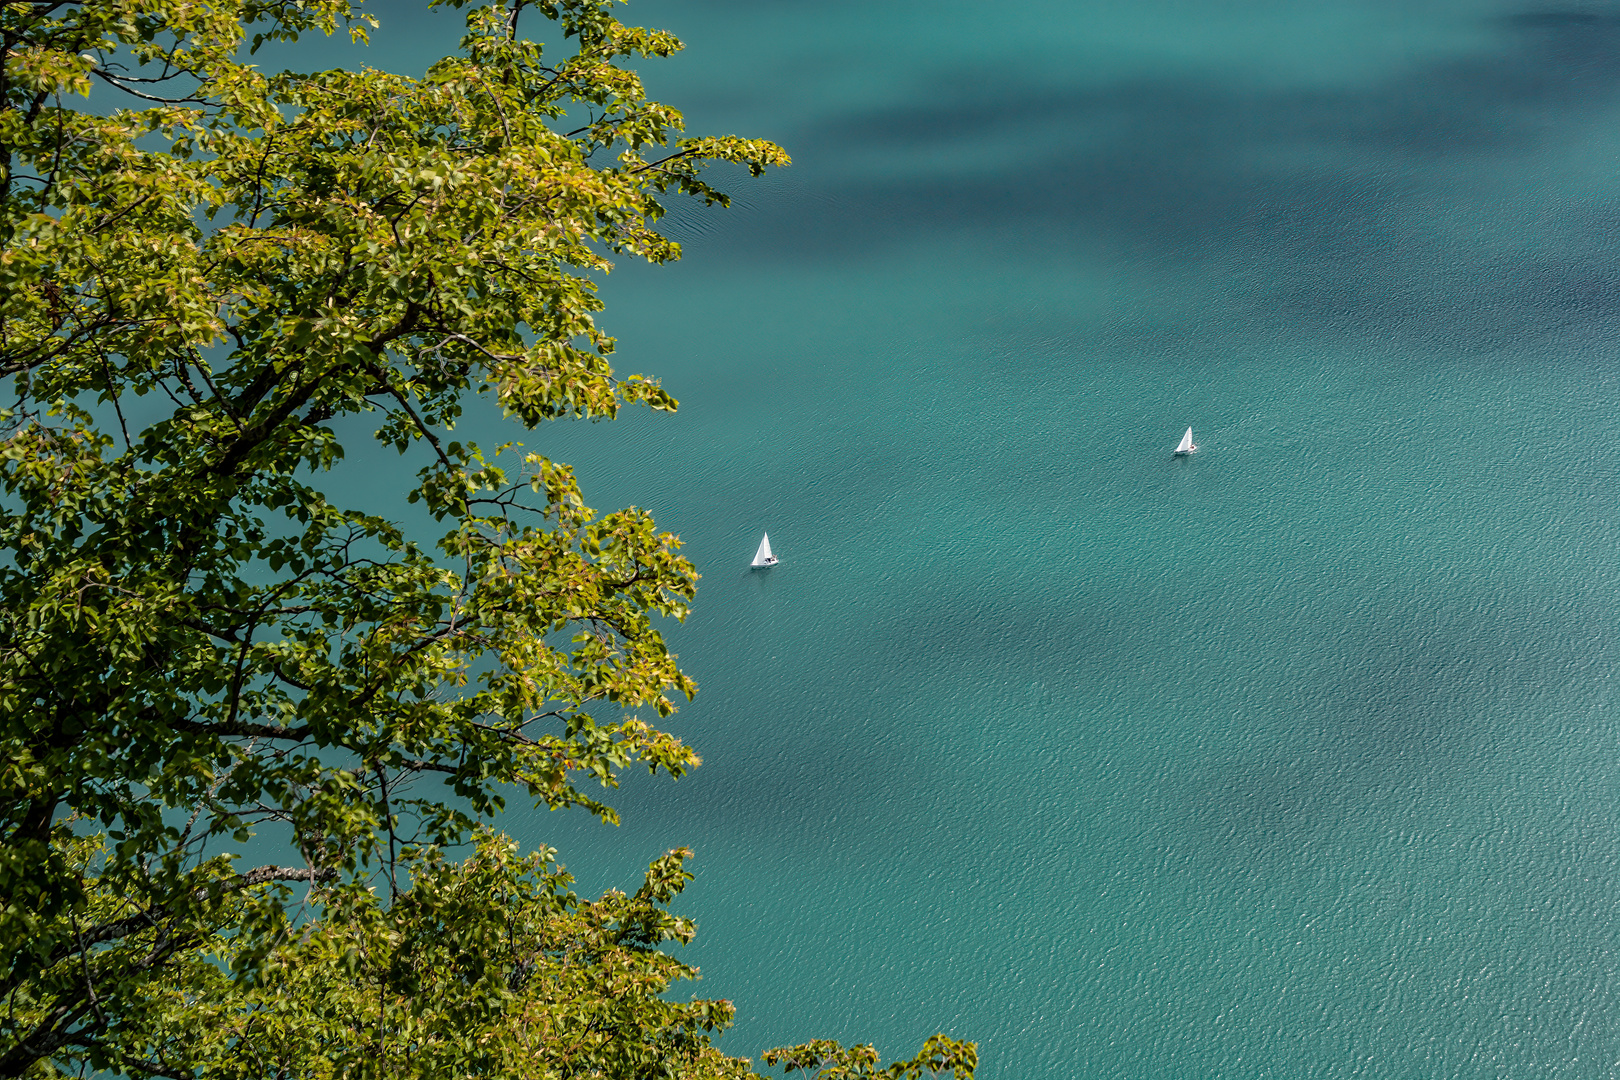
763	556
1186	446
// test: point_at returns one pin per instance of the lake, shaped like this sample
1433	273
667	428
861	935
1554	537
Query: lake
1293	758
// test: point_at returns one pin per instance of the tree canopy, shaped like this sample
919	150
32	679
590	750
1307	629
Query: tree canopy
210	277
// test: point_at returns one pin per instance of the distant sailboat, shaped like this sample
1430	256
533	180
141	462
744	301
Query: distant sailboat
1186	445
763	556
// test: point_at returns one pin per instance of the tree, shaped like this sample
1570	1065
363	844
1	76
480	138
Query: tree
201	290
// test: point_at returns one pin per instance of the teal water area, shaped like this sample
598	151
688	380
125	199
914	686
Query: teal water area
1295	758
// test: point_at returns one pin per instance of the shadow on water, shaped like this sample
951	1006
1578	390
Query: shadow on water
1322	201
1416	697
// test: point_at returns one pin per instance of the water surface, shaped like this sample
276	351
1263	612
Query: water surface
1296	758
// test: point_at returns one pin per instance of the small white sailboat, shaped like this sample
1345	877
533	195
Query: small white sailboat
763	556
1186	445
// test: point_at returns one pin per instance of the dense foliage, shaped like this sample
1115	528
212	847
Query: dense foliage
209	276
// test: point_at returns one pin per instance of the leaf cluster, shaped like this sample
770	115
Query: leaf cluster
491	966
211	277
830	1060
208	273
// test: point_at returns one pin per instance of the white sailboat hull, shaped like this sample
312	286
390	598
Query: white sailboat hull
1186	446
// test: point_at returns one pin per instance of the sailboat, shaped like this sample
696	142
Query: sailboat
763	556
1186	445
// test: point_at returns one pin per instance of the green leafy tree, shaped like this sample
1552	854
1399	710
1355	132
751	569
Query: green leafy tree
209	274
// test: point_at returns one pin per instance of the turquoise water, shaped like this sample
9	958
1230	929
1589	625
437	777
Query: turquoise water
1296	758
